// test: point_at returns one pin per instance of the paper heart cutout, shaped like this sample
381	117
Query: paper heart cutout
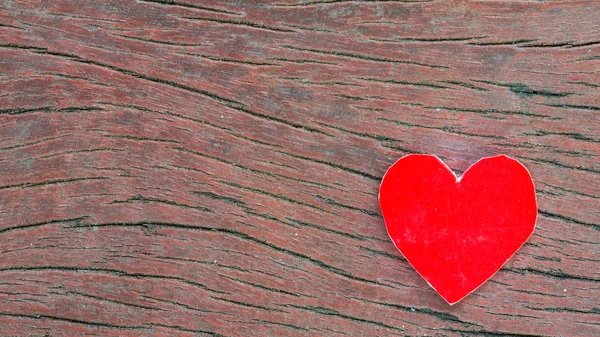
457	232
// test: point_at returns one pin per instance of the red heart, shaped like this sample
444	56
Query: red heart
457	232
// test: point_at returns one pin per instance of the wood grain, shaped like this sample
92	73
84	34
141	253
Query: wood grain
211	168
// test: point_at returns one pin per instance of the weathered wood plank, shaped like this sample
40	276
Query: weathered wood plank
211	168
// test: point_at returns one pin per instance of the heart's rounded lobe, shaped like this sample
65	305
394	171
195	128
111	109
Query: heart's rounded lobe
458	232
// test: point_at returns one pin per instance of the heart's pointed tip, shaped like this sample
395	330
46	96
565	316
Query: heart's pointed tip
452	301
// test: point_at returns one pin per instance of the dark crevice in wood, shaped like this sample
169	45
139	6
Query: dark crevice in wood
429	40
361	56
34	142
49	109
377	137
169	43
107	271
44	223
465	85
183	329
302	61
100	149
354	98
552	274
593	311
546	45
193	6
525	90
285	325
299	224
255	141
229	200
357	209
94	324
490	111
501	43
144	139
249	305
572	135
182	305
587	84
303	80
559	164
448	129
164	113
279	120
228	60
275	195
11	26
572	191
141	199
584	44
400	82
243	23
329	2
569	219
51	182
443	316
105	299
260	286
575	106
331	312
490	333
331	164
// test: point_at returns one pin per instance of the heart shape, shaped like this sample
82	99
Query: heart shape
457	232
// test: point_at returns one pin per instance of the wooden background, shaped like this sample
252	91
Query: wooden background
211	168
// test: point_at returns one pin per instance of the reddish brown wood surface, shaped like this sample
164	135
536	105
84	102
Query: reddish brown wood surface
211	168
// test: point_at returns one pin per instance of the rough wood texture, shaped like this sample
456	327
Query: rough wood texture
211	168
